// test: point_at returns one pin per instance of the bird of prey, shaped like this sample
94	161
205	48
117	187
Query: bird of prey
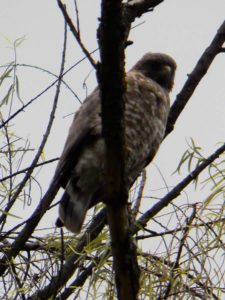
147	106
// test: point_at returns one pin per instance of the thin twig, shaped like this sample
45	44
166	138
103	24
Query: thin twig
23	107
50	73
75	33
77	18
196	76
175	266
138	199
173	231
29	168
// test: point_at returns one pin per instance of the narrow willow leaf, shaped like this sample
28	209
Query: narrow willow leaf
6	74
18	90
19	41
9	214
6	98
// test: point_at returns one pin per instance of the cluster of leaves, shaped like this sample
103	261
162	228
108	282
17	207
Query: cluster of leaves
185	261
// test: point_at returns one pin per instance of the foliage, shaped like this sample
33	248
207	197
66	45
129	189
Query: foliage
180	250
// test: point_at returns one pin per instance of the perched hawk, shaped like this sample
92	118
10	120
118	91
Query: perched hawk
147	106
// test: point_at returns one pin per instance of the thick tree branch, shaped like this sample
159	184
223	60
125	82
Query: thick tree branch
195	77
111	77
136	8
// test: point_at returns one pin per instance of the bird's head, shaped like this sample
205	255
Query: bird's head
159	67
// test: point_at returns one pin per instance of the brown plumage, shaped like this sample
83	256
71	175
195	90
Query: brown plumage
146	110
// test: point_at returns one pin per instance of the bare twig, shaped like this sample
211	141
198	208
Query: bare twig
138	199
195	77
29	168
75	32
9	154
175	266
23	107
19	283
50	73
173	231
70	264
39	212
77	18
32	166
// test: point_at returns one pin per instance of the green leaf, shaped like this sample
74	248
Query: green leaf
6	98
9	214
18	90
6	74
19	41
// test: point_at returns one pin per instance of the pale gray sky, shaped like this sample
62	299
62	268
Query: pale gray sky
181	28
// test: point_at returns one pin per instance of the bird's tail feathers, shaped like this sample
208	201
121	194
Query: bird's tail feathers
72	209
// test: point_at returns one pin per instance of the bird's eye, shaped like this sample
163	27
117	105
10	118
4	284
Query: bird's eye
154	65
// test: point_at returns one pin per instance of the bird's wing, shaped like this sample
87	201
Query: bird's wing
84	130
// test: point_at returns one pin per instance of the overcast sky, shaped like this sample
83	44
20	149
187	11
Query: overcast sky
180	28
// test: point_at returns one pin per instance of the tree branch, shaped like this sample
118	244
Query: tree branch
75	32
29	168
136	8
111	77
175	192
176	263
195	77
